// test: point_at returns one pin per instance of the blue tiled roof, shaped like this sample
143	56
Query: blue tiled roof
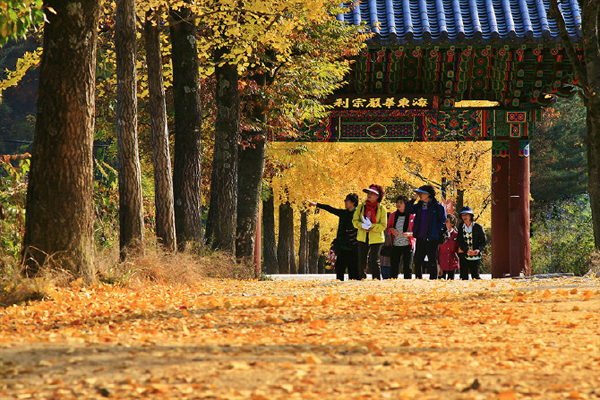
462	21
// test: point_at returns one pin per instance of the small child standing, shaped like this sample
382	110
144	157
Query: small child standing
448	252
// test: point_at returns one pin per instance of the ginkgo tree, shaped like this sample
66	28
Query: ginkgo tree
284	98
464	166
288	55
327	172
260	38
299	51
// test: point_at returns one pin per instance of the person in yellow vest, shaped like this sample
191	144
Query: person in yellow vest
370	218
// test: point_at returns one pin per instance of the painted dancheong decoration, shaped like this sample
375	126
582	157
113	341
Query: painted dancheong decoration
446	70
485	58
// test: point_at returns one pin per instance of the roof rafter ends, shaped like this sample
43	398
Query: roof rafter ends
420	22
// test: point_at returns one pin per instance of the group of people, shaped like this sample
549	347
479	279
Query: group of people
418	233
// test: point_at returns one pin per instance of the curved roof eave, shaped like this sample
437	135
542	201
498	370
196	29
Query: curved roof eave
445	22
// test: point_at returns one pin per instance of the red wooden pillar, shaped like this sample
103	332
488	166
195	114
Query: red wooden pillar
520	249
511	251
500	209
526	215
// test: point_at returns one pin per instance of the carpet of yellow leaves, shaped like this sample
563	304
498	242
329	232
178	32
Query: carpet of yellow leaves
225	339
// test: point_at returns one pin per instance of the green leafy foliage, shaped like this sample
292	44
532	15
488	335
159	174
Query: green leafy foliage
17	16
18	94
106	205
319	60
562	237
558	153
13	190
399	187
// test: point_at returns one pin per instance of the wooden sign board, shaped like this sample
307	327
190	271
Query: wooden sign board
383	102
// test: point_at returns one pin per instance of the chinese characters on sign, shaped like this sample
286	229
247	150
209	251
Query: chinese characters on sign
380	102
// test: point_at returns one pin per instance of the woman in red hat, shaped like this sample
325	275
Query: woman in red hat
370	218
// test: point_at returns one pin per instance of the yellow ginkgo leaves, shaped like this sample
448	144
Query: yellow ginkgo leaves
306	339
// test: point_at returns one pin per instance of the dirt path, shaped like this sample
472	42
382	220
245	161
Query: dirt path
308	340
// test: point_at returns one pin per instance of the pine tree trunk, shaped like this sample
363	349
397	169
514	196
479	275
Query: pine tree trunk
593	161
270	262
222	214
251	168
161	158
251	155
188	124
303	245
588	75
59	226
314	238
131	211
591	52
286	253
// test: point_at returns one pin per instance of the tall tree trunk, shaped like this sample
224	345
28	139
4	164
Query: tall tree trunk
593	161
222	214
588	75
286	253
321	267
258	248
591	52
460	201
131	211
251	155
303	245
188	124
60	215
251	168
269	243
314	237
161	158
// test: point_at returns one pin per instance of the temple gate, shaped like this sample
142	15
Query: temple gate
448	70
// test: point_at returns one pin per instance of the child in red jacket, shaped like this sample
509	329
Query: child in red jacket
448	252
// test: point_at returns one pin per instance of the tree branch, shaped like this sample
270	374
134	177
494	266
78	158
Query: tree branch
486	203
207	14
189	19
421	177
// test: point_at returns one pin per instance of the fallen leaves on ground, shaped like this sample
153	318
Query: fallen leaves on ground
225	339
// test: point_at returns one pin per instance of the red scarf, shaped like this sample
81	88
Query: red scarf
371	211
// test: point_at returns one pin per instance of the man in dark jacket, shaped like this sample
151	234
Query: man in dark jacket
472	242
345	243
429	225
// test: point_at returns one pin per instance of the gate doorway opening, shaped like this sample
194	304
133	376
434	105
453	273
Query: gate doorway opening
452	71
